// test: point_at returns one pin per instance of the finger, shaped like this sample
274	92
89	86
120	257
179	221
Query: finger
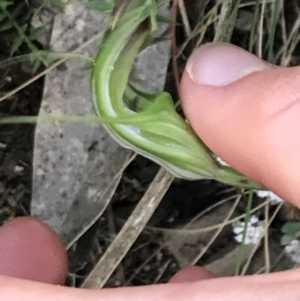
272	287
29	249
192	274
247	113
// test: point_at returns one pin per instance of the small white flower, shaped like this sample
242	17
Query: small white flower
293	250
275	199
253	219
255	231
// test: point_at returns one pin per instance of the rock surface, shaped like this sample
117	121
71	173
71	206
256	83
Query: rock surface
77	166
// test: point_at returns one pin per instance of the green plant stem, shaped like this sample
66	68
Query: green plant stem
273	30
242	246
229	18
254	26
55	55
49	119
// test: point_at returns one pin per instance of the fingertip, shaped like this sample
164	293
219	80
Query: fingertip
192	274
30	249
252	121
219	64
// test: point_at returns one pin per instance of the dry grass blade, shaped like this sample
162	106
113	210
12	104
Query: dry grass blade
185	20
112	234
224	15
267	225
187	231
216	234
200	29
206	229
274	264
48	69
261	30
290	45
266	240
162	270
130	231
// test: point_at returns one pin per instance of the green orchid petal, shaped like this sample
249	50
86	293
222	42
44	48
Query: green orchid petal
149	124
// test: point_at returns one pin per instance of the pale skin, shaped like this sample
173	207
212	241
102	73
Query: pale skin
251	121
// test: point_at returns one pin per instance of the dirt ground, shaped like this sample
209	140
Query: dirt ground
16	140
153	258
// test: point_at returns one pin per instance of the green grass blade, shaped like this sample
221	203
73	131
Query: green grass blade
273	30
242	246
254	26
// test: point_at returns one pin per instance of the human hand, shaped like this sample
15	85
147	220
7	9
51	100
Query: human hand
247	112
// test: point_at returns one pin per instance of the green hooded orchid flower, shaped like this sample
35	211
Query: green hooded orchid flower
148	124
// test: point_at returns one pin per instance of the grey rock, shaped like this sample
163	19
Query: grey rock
77	166
149	72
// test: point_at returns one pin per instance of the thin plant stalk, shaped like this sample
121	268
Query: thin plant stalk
242	246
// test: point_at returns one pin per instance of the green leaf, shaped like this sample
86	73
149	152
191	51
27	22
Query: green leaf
291	228
4	4
58	3
36	65
286	239
2	17
7	25
49	59
36	33
18	10
16	45
100	6
9	18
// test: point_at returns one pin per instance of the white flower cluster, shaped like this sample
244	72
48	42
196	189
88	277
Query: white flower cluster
293	250
275	199
255	231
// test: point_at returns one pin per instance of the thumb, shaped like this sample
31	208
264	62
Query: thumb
248	113
30	249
